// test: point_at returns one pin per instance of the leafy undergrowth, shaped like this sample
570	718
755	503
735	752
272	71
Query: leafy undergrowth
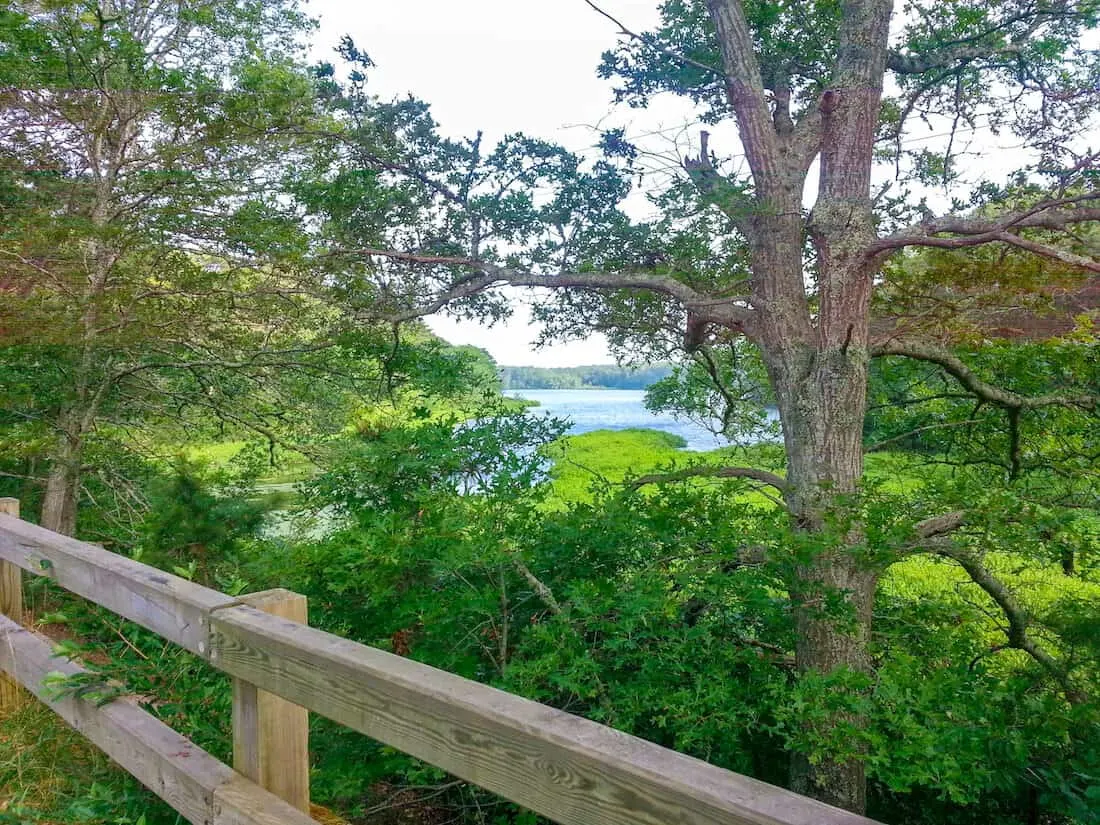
50	774
657	629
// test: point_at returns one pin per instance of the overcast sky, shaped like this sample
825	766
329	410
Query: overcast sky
500	66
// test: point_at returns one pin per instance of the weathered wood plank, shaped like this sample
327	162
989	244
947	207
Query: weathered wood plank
168	605
270	734
569	769
235	804
11	605
202	789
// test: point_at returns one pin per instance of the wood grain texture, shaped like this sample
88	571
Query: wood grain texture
235	804
168	605
11	605
193	782
270	734
569	769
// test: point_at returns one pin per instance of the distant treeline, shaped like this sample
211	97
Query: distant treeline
602	376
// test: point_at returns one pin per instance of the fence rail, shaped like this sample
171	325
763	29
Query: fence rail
571	770
194	783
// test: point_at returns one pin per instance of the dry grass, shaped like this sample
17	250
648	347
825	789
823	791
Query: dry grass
51	775
40	757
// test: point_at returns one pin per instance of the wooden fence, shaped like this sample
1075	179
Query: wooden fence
569	769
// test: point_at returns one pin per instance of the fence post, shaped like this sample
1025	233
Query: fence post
11	605
270	734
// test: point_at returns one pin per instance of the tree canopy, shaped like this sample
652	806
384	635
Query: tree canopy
152	265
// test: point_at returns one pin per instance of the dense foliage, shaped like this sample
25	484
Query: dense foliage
816	239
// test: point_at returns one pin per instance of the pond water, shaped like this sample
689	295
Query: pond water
586	410
589	410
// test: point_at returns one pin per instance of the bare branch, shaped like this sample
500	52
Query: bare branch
716	188
965	232
541	590
651	43
1052	252
782	657
919	64
1015	614
940	525
893	440
269	358
36	479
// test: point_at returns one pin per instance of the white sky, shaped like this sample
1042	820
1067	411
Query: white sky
501	66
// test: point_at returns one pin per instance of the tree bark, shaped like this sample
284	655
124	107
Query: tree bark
818	364
112	129
821	389
821	394
59	504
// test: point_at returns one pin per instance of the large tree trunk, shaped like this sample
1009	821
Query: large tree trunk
822	407
821	387
818	368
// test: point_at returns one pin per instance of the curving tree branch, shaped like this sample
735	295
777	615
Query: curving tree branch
1016	615
954	366
940	525
881	445
487	275
1052	252
705	471
900	63
970	49
955	232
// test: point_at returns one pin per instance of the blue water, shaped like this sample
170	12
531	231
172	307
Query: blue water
589	410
